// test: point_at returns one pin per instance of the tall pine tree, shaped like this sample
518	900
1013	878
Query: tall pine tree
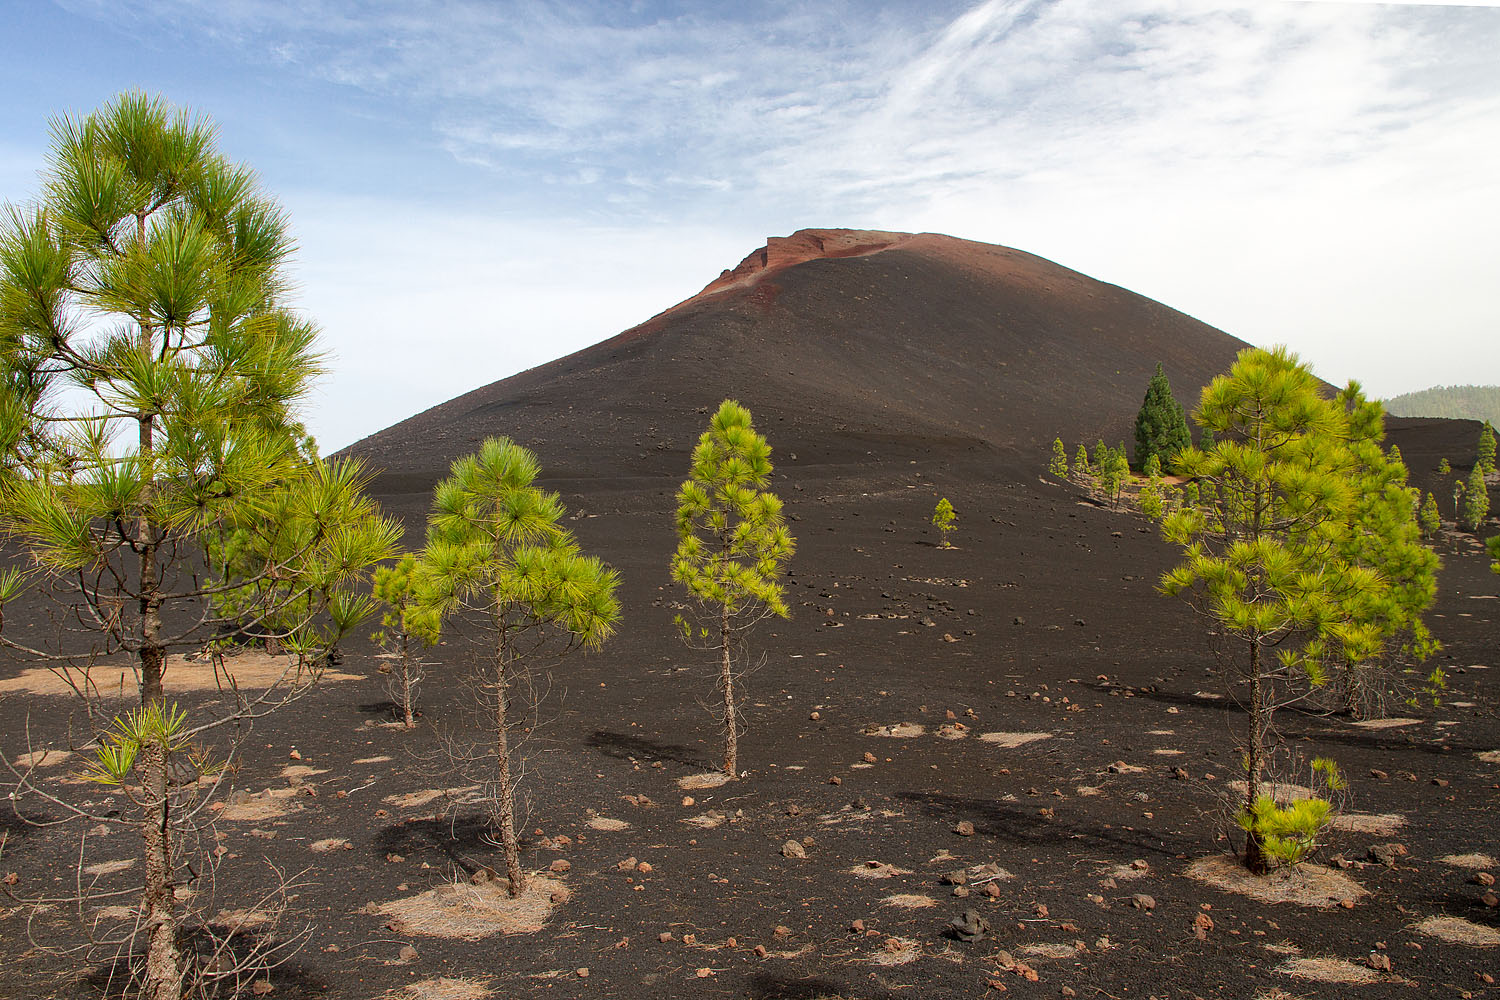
1161	426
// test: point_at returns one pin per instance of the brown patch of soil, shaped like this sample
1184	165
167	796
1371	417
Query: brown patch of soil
41	758
1305	885
471	912
1489	756
1457	930
1379	824
1385	723
329	844
251	670
427	796
269	804
897	730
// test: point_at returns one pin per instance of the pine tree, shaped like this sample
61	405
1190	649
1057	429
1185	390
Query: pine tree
1476	500
1059	464
1256	550
944	519
1081	465
1161	428
1429	518
498	555
157	479
1444	469
1116	470
1493	544
403	626
732	546
1381	533
1484	452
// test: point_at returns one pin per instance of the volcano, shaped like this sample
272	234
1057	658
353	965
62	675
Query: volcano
848	346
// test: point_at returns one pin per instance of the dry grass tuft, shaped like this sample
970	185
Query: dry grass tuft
608	825
897	951
877	869
1050	950
705	821
471	912
1012	740
1476	862
1305	885
697	782
331	844
1328	970
1457	930
910	901
1489	756
442	988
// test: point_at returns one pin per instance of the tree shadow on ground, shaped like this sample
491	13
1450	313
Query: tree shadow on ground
628	746
466	842
1019	823
765	986
118	975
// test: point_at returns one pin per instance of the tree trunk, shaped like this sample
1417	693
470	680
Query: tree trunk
1255	855
726	681
508	840
159	904
406	706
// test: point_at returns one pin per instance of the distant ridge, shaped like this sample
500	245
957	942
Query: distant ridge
1459	402
850	347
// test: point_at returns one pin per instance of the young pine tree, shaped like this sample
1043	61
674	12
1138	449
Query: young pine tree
1256	548
1381	533
498	555
1444	469
944	519
1484	451
1429	518
1161	428
732	543
1082	469
1476	500
1059	465
403	626
156	478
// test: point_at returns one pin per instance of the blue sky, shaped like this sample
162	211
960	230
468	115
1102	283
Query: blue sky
479	187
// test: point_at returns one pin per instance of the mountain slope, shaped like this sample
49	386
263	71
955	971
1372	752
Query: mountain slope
848	346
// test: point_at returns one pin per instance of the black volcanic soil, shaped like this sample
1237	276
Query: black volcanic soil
1043	620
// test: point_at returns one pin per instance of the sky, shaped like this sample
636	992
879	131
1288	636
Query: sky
480	186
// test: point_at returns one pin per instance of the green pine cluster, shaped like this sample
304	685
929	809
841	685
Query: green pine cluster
1161	429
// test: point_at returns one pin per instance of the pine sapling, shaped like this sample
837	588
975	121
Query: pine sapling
945	519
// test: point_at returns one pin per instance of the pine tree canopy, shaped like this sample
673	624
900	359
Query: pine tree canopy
1161	426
